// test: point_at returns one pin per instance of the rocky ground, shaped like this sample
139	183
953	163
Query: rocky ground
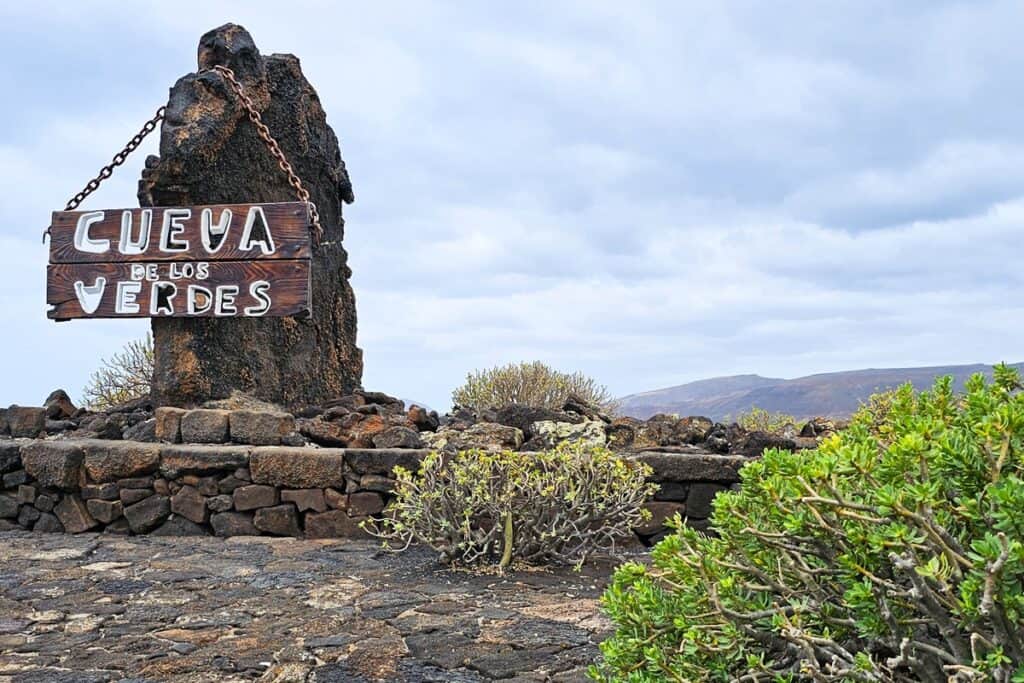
106	608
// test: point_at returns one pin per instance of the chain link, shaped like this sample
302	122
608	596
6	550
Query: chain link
108	170
261	129
275	149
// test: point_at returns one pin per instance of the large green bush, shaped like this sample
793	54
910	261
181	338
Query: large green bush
533	384
892	553
557	506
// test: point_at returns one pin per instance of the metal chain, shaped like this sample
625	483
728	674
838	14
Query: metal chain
275	149
118	159
261	128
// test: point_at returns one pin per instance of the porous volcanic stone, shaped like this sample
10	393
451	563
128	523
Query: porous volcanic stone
28	516
689	467
179	526
58	405
132	496
143	431
333	524
364	503
112	460
523	416
376	482
195	459
254	496
297	467
45	502
260	428
698	502
15	479
108	491
145	516
190	504
305	499
754	444
74	515
8	506
398	437
168	424
209	156
221	503
383	461
204	425
105	511
335	499
54	464
660	511
10	456
280	520
233	524
26	494
48	524
26	422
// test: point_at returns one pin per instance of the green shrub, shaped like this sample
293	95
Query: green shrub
557	506
760	420
124	377
533	384
892	553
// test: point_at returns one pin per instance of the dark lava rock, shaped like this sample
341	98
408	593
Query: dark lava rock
754	444
523	417
210	154
145	516
398	437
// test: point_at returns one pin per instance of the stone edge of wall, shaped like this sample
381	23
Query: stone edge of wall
228	490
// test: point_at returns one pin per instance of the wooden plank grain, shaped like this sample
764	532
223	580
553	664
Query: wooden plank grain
223	289
172	228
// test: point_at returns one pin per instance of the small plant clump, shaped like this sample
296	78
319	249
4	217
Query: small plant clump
895	552
533	384
558	506
124	377
760	420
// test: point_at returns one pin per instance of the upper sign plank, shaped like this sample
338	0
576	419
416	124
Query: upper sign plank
224	232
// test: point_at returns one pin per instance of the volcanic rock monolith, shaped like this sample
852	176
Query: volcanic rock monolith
210	153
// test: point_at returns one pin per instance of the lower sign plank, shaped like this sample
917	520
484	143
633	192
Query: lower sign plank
220	289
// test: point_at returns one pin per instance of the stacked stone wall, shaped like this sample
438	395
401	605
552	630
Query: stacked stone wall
135	487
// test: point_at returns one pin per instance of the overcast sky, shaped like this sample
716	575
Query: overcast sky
651	193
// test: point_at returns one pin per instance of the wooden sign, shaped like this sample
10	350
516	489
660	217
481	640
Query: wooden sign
231	260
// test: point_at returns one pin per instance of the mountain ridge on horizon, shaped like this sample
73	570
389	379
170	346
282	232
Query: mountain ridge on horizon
832	394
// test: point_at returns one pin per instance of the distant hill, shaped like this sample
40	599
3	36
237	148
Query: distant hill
835	394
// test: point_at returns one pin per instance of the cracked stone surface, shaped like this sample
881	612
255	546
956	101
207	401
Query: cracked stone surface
97	608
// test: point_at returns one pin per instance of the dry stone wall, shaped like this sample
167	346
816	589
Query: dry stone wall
134	487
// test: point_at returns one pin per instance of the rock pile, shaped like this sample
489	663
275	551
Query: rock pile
367	419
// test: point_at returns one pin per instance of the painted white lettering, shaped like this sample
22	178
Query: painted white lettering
128	246
266	243
198	300
259	290
202	270
213	234
138	271
172	228
82	240
89	296
224	300
151	273
160	298
124	302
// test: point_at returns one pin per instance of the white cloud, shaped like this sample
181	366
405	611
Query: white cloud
651	194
